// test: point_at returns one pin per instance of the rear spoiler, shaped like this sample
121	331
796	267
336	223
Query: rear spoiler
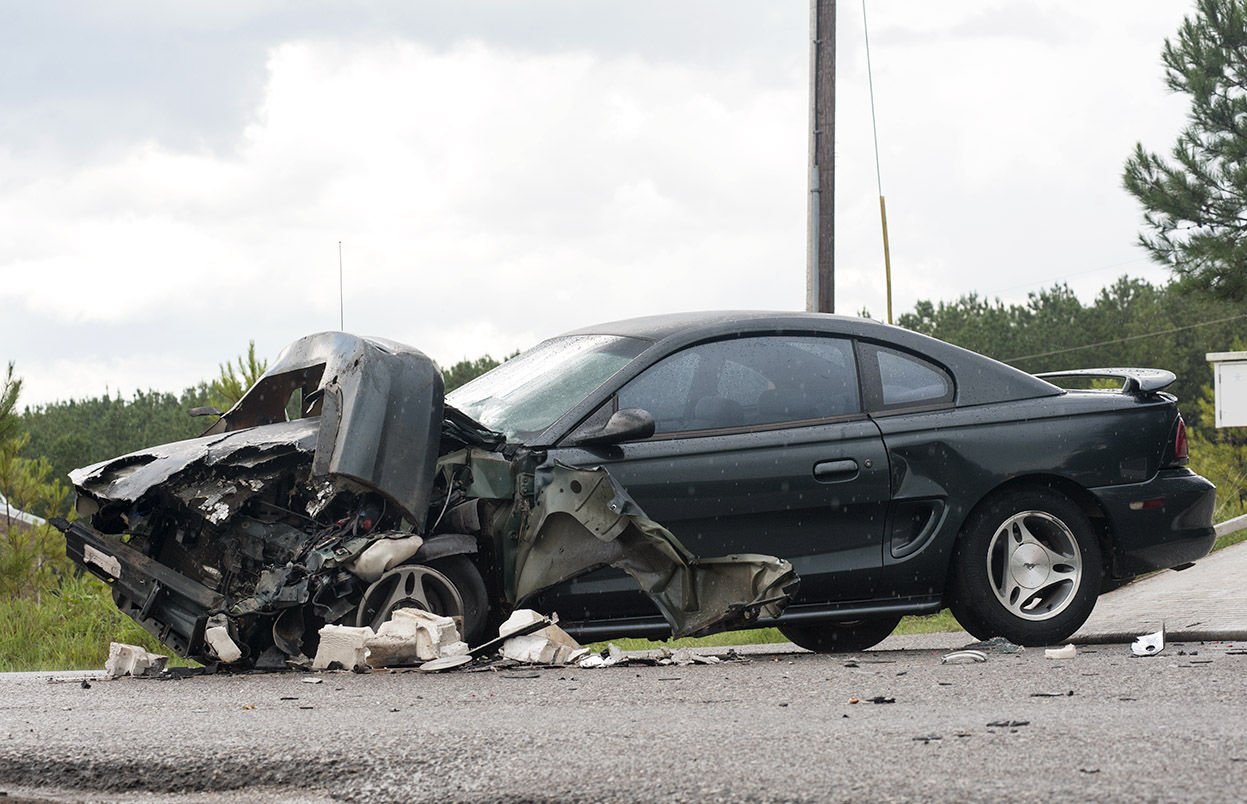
1136	380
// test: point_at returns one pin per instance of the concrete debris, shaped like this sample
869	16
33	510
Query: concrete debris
1149	644
131	660
607	658
1067	652
342	647
412	636
549	645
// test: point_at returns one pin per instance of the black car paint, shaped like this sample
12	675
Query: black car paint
880	541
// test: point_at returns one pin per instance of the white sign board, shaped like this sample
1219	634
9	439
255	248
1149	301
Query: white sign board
1230	387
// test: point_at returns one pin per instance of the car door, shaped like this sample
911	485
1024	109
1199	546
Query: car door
762	447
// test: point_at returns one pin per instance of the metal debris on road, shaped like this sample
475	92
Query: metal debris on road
444	663
964	657
1149	644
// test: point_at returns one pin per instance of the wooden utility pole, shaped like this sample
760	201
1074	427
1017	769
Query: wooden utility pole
820	282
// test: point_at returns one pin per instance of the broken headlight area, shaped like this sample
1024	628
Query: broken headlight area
239	546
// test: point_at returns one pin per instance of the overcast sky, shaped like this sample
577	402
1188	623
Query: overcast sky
175	178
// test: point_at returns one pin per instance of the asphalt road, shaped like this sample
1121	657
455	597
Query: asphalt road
1104	726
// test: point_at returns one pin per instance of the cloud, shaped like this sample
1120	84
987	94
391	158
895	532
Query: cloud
484	197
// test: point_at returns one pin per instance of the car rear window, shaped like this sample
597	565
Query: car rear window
906	380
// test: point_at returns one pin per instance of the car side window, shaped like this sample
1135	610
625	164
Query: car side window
908	380
742	382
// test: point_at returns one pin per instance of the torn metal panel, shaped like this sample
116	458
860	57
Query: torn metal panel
584	520
378	405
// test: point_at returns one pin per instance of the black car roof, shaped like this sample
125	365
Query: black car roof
980	379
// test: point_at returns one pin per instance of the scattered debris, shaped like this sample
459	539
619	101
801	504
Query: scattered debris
881	699
1008	724
1149	644
412	636
683	657
86	685
997	644
1052	694
1066	652
342	647
1089	770
445	663
310	680
927	738
131	660
964	657
549	645
607	658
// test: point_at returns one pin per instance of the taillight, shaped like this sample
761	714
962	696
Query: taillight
1181	451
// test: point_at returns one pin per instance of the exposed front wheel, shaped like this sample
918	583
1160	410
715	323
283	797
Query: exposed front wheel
1027	567
451	587
841	637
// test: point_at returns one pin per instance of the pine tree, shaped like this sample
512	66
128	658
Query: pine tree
1195	206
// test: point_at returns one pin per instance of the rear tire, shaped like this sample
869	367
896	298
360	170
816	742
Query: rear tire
841	637
1027	567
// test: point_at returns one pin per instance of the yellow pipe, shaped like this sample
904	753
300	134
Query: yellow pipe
887	255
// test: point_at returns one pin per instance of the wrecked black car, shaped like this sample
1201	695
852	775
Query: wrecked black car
341	488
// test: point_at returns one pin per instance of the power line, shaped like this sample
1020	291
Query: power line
1128	338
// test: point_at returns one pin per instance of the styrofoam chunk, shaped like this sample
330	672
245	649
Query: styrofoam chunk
131	660
344	645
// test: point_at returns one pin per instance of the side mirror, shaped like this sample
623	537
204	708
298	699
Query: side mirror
206	410
629	424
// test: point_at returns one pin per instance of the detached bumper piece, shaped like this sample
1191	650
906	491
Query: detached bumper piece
171	607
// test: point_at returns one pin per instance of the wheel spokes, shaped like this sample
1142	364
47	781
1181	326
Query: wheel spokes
1034	565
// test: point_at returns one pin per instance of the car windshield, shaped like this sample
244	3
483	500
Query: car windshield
529	393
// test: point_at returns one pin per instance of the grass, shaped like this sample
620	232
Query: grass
930	624
68	629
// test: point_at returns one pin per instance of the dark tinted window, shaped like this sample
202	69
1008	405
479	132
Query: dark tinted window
748	381
909	380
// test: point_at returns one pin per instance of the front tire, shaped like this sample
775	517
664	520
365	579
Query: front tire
841	637
1027	567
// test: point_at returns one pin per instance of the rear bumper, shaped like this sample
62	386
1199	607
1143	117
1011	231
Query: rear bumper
1162	523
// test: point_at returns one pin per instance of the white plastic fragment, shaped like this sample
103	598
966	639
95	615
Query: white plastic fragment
521	619
550	645
1066	652
311	680
218	639
411	636
613	656
1149	644
131	660
964	657
342	645
382	555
